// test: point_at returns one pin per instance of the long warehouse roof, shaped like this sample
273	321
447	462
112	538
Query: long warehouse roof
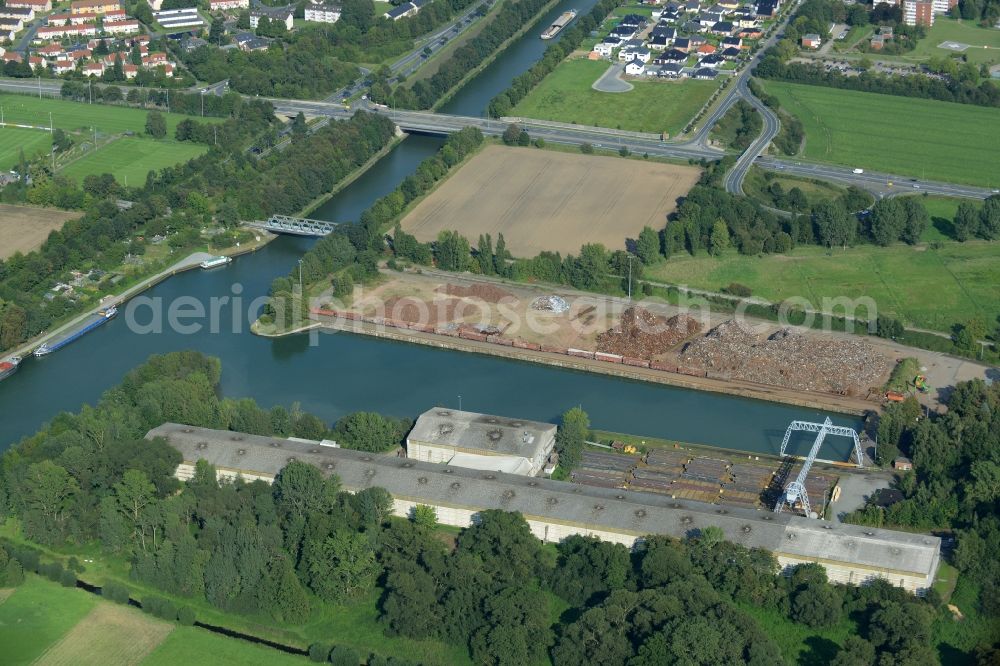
470	431
607	509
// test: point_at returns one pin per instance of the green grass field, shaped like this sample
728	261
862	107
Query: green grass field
924	287
36	615
129	159
565	95
188	645
15	139
77	115
902	135
984	43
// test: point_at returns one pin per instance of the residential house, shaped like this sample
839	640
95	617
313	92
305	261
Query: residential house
811	41
155	5
227	5
273	15
902	464
69	19
659	42
94	7
36	62
682	44
705	74
695	41
11	25
253	44
632	50
633	21
126	27
666	31
669	18
63	66
692	6
51	51
731	53
635	68
80	54
767	8
604	49
25	14
708	19
93	69
750	33
322	13
723	28
130	70
37	5
623	31
706	49
401	11
670	56
691	27
878	41
713	61
192	43
50	32
672	70
734	42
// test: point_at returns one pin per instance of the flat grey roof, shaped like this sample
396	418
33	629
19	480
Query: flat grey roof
621	511
481	433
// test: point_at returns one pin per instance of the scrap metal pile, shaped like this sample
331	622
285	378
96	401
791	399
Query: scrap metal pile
788	359
641	334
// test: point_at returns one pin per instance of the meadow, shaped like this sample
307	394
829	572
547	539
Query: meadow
69	115
36	615
565	95
924	287
902	135
15	139
129	159
984	43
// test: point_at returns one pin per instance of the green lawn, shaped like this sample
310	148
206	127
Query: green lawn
798	643
76	115
924	287
36	615
941	211
15	139
565	95
902	135
188	645
131	158
984	43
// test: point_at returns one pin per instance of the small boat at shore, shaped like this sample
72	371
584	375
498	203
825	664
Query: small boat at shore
564	20
215	262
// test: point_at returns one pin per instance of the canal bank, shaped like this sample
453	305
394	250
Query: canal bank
339	374
742	389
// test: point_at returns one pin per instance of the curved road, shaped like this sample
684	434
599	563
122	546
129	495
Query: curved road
882	184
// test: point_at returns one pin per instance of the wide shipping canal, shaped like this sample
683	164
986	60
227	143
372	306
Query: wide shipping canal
346	373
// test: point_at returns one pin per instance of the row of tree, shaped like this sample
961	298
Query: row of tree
425	93
286	553
568	42
817	15
227	105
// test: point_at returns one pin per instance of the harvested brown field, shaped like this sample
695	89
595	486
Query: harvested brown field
642	334
544	200
110	635
23	228
789	359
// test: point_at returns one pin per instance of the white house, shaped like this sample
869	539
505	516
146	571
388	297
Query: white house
635	68
604	49
279	15
322	13
225	5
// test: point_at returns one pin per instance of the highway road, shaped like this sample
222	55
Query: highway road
771	125
881	184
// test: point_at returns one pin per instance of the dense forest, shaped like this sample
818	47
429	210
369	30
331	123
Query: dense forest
226	185
955	481
965	84
568	42
285	554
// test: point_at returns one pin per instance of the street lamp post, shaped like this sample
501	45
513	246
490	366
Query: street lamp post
630	278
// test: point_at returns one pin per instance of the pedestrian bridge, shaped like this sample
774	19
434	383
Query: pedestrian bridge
298	226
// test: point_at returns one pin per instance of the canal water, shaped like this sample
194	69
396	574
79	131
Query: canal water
344	373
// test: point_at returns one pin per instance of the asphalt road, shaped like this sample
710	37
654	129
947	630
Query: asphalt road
882	184
411	61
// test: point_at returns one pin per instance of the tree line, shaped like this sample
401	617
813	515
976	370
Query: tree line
425	93
293	552
193	104
968	86
570	41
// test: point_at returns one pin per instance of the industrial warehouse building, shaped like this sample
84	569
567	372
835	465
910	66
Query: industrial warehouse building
557	509
481	441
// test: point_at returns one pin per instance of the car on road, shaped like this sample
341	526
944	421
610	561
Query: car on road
858	171
916	187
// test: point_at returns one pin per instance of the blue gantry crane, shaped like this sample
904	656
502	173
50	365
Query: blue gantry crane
795	491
